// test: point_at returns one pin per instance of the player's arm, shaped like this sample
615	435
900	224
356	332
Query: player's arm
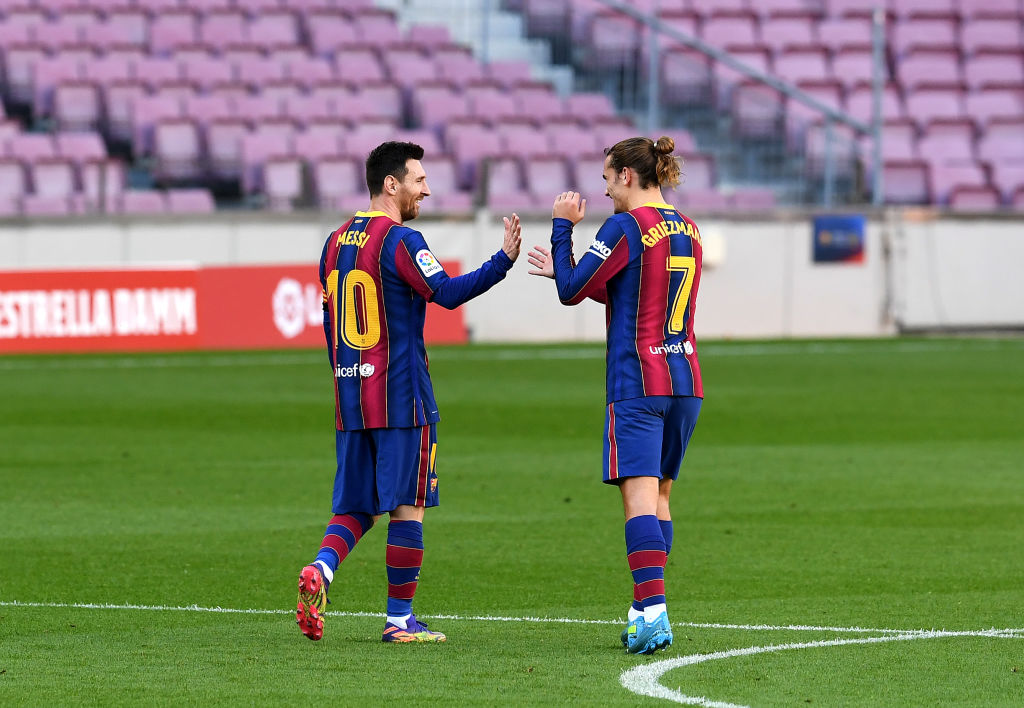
540	259
606	256
422	271
328	329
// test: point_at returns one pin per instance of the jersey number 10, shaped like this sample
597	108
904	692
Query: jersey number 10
686	264
359	309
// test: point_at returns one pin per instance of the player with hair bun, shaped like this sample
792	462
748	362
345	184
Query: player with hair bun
645	265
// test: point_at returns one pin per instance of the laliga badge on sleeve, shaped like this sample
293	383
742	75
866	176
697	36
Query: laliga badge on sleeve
427	263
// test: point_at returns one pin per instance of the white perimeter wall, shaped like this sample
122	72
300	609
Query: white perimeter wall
758	280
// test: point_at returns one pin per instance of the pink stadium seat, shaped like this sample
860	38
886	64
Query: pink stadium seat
587	107
282	90
80	147
547	17
256	72
445	195
257	148
103	181
1008	178
781	33
309	71
860	101
947	142
698	200
757	110
190	201
306	109
752	199
172	29
46	74
799	115
1001	9
142	202
508	72
427	139
13	186
992	69
726	31
205	71
329	31
119	101
408	67
945	178
843	149
338	184
146	113
545	178
523	141
588	180
924	67
279	27
899	141
54	35
376	26
177	151
155	71
105	70
797	65
358	64
359	141
973	198
727	78
906	182
382	99
224	147
848	8
19	65
30	147
926	105
698	172
567	140
685	77
428	38
924	34
854	66
505	189
435	106
318	141
54	188
613	41
1001	141
257	107
77	106
786	8
990	35
457	65
283	182
469	143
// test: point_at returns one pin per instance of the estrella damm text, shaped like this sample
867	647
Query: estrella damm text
352	237
667	228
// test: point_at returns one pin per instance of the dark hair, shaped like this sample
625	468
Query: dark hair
389	159
653	161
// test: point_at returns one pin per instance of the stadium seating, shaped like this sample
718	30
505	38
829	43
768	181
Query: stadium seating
220	94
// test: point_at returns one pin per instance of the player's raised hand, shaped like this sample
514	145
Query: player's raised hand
569	205
513	238
540	259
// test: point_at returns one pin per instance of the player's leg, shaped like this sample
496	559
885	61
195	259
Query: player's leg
352	504
410	465
632	461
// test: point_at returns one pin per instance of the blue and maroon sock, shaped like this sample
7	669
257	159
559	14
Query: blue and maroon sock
403	557
645	552
667	532
342	534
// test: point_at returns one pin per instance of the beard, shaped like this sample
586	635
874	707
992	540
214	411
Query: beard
410	210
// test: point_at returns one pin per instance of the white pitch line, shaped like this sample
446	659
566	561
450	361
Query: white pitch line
1008	632
583	351
644	679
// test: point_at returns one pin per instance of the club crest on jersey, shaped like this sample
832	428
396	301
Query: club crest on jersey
599	249
427	263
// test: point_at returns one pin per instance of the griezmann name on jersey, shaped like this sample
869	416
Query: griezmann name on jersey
377	277
645	265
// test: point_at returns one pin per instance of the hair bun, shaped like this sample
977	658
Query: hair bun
665	145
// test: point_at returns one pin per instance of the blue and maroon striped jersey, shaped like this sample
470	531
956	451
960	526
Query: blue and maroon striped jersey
645	266
377	277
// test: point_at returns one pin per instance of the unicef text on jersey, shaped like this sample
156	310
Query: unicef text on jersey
347	372
683	348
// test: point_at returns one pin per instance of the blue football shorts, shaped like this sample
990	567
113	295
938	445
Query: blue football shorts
647	437
380	469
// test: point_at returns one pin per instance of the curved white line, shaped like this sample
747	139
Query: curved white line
644	679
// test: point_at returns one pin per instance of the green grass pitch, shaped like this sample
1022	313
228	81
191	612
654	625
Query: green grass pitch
829	486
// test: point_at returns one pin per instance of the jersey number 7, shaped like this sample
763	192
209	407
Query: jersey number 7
686	264
359	310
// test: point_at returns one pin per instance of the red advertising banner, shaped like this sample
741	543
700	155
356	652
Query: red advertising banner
242	307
